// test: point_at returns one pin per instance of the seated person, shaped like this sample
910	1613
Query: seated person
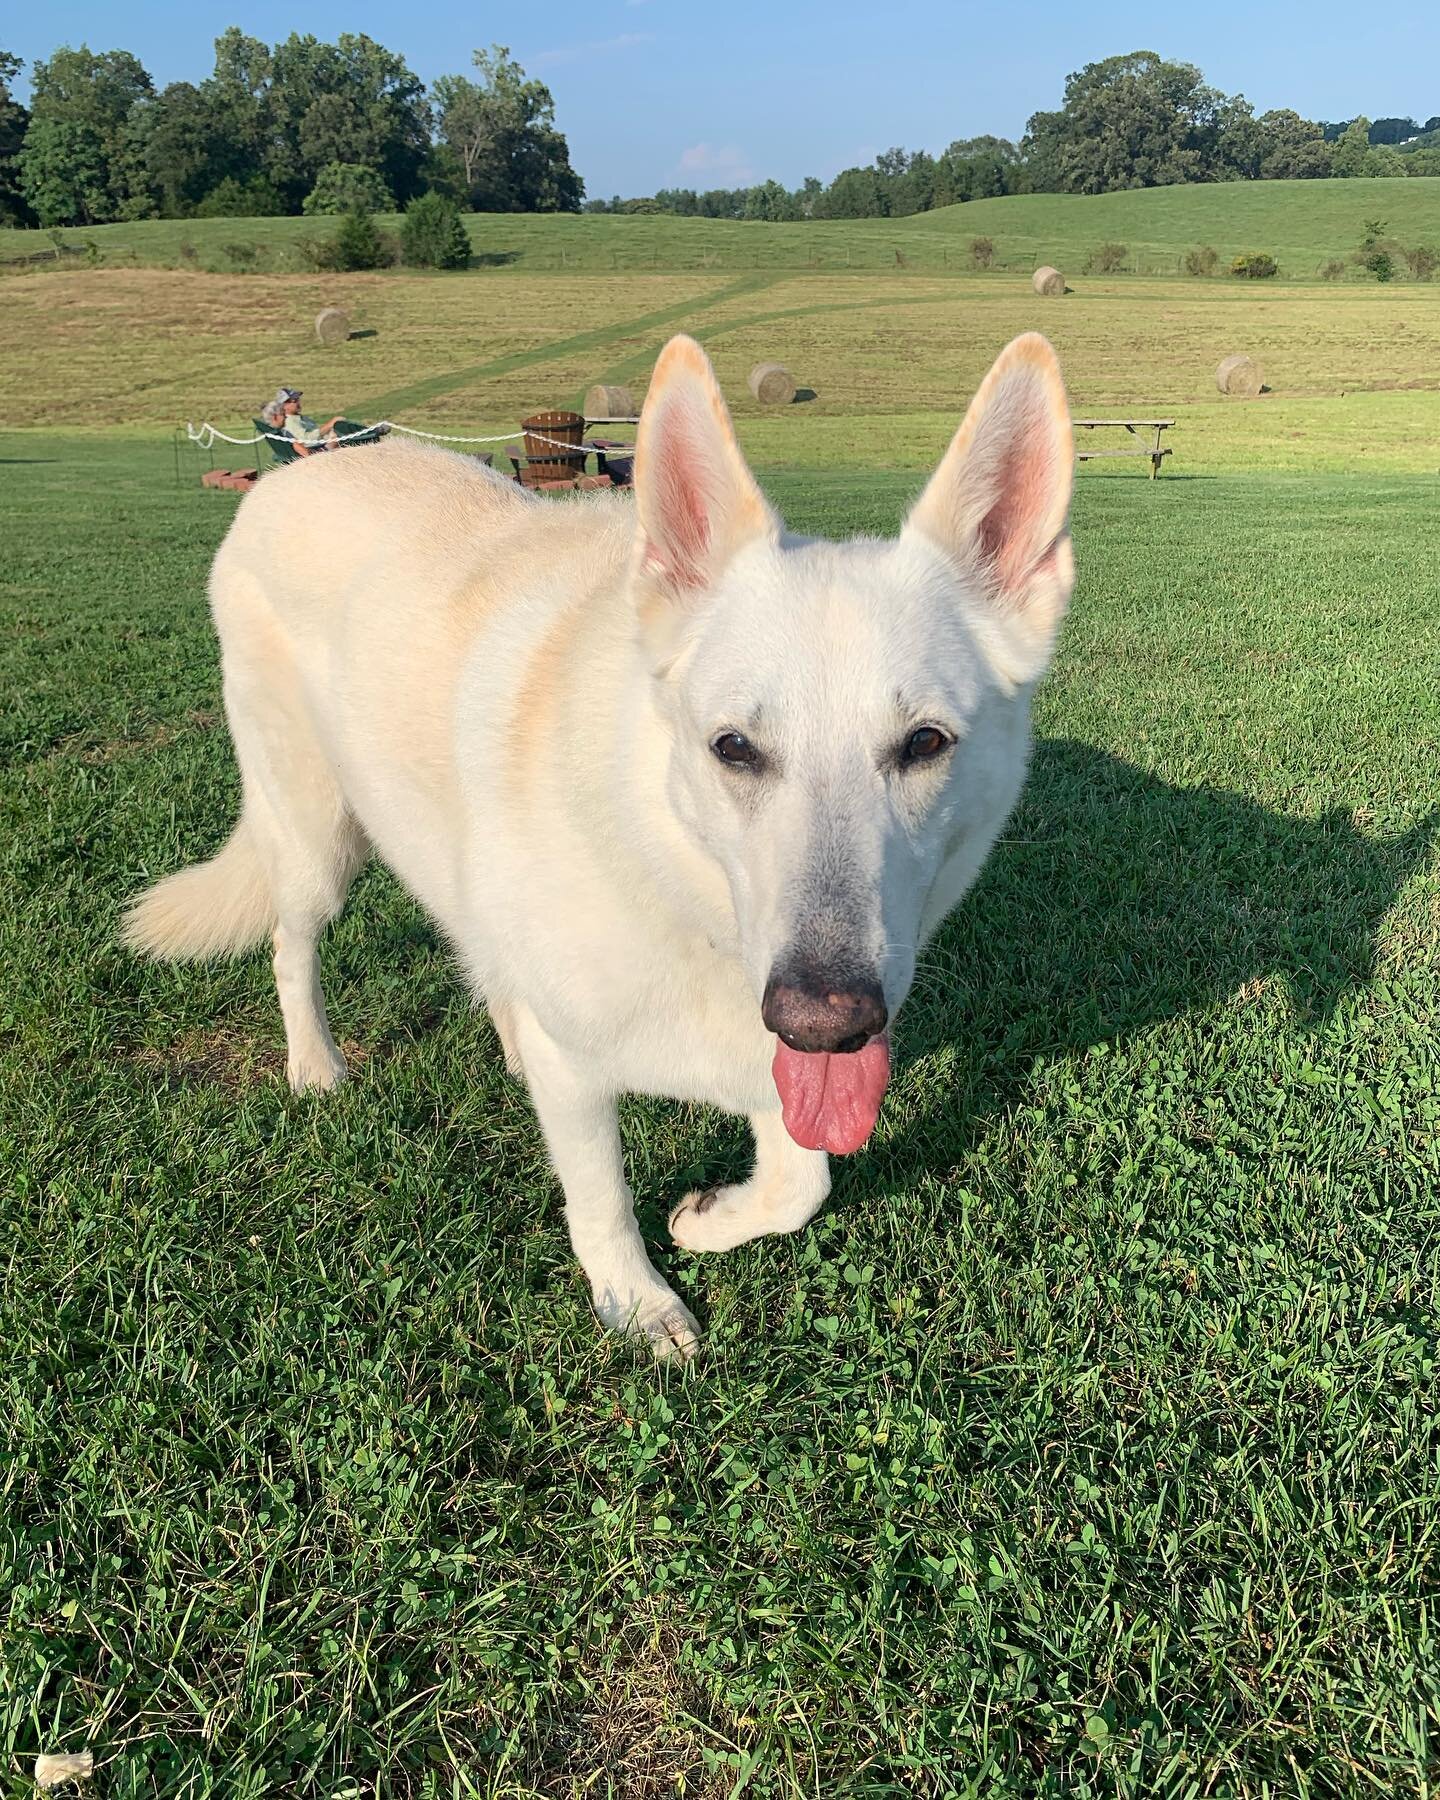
283	415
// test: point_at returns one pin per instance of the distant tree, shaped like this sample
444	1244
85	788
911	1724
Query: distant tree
72	163
1347	159
502	130
855	194
14	118
1432	123
1128	122
1393	131
1422	162
352	101
1382	160
344	187
1291	148
257	198
177	150
770	201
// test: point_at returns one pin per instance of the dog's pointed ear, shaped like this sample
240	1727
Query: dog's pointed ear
696	501
999	503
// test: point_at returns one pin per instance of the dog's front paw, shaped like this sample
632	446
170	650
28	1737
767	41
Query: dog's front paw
317	1070
657	1315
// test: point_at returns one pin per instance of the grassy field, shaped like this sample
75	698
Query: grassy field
1087	1445
1302	223
887	359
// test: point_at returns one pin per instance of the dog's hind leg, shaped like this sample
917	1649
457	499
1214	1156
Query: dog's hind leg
306	839
577	1113
786	1189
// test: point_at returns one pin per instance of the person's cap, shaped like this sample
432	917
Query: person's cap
284	394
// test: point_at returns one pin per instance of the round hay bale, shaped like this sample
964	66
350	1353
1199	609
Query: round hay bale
772	384
1048	282
605	401
332	326
1239	376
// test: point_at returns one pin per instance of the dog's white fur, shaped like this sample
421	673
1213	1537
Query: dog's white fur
515	703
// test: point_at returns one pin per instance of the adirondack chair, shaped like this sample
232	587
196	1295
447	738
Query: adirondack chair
282	448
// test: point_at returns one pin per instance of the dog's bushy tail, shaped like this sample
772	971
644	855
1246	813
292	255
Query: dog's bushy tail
216	908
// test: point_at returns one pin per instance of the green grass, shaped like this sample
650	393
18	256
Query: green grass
1302	223
1085	1446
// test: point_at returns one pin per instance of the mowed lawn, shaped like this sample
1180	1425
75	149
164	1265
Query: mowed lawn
1086	1445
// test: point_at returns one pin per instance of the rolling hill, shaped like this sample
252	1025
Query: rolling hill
1301	223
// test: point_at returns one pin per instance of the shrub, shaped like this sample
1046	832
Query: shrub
358	244
242	255
1424	259
1202	261
346	188
1379	262
433	235
1109	259
1254	265
1334	269
982	252
232	199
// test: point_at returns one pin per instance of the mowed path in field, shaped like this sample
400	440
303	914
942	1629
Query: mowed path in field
891	358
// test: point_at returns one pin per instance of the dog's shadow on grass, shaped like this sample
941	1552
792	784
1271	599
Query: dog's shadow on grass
1115	900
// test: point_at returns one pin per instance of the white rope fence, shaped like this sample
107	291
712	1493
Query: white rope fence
207	436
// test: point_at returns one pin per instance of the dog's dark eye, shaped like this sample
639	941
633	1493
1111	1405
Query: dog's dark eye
929	741
731	748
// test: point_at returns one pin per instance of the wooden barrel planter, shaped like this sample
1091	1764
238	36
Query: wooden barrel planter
546	434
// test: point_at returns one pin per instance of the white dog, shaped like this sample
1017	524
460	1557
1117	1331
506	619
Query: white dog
685	794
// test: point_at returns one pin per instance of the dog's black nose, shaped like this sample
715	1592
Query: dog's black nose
813	1011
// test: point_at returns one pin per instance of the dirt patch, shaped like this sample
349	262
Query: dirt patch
224	1056
154	737
635	1733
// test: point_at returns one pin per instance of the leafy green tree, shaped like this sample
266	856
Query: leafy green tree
257	198
1129	122
501	129
768	200
343	187
1382	160
14	118
65	173
433	235
1347	158
352	101
855	194
1393	131
1292	148
176	151
73	162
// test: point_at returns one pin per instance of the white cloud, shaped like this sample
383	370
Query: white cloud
627	40
724	165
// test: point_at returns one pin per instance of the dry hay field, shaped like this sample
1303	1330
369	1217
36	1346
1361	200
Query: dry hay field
887	360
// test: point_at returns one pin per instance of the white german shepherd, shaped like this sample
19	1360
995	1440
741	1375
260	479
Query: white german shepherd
685	794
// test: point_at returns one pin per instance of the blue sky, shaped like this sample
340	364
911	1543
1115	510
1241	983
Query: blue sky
654	93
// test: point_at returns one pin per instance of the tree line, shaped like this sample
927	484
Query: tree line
306	126
1130	121
283	128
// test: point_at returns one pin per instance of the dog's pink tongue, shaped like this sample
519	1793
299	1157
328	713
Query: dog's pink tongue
831	1102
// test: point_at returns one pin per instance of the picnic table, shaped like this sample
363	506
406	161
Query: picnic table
1154	451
